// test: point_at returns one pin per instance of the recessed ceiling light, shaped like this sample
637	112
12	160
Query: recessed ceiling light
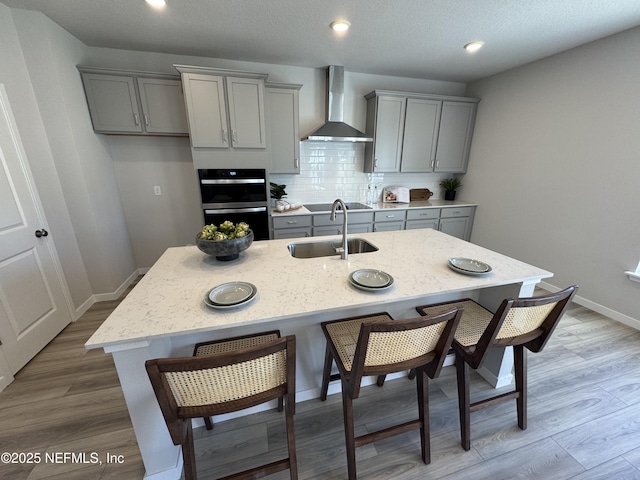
340	25
157	4
473	46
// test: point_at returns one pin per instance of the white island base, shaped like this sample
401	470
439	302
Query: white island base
164	315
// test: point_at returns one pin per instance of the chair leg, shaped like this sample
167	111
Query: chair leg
422	383
208	423
326	373
291	442
349	431
412	374
381	379
188	454
520	367
462	374
280	403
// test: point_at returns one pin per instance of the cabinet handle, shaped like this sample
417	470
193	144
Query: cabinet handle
391	216
234	137
224	136
375	163
437	163
136	118
433	163
146	119
295	163
424	214
292	222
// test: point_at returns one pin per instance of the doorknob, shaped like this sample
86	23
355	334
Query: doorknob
41	233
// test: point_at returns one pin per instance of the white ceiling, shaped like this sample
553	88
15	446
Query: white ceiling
404	38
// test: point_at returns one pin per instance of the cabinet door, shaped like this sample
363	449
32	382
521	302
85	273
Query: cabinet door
416	224
388	134
454	138
292	233
206	111
388	226
421	124
246	112
163	108
112	103
455	226
283	130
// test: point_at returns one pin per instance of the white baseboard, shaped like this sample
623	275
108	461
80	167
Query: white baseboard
106	297
596	307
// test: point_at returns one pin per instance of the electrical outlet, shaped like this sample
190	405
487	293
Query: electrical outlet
156	190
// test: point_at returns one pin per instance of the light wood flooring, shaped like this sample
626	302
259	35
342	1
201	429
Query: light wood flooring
584	418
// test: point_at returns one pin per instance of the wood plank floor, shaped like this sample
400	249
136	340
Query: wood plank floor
584	418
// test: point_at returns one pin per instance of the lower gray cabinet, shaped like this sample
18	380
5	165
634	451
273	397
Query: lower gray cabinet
457	221
357	222
454	221
388	220
292	226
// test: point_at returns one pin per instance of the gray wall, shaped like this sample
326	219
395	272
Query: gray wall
555	169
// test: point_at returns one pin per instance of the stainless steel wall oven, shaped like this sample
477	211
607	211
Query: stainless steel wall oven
238	195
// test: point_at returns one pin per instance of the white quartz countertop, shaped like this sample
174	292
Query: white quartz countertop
168	300
384	206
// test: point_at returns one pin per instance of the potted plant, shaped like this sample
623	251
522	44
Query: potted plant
450	185
278	193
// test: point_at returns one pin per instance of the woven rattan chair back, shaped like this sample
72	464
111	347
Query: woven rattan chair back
225	382
232	344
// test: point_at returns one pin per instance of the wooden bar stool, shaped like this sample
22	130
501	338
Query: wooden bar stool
220	383
521	323
231	344
378	345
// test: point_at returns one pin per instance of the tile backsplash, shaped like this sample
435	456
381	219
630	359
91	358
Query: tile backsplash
330	170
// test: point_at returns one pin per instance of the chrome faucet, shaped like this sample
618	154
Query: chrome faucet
344	251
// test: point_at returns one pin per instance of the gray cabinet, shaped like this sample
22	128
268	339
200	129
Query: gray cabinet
423	218
291	226
283	135
457	221
454	136
385	121
224	111
385	221
358	222
418	133
137	103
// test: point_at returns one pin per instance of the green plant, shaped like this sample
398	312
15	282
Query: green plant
277	191
450	184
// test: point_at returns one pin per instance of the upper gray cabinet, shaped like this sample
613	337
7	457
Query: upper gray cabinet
136	103
282	127
225	109
418	133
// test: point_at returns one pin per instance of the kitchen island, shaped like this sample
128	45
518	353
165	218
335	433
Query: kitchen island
165	314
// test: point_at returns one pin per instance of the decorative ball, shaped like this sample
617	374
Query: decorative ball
225	250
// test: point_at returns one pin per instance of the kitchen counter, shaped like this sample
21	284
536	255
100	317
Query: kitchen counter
384	206
164	315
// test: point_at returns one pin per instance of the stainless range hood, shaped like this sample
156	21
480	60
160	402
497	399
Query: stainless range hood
335	130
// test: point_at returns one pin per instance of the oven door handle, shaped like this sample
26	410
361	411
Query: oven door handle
226	181
235	210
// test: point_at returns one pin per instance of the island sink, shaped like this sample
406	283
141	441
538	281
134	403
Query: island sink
328	248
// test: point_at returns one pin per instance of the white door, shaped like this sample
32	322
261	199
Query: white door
33	307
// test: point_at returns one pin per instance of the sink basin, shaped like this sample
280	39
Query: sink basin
327	248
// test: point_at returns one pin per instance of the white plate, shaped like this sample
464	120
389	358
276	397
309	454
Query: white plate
469	265
371	289
216	306
231	293
371	278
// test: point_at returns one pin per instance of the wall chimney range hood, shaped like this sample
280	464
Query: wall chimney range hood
334	129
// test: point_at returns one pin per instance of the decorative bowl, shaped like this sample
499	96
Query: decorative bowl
225	250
